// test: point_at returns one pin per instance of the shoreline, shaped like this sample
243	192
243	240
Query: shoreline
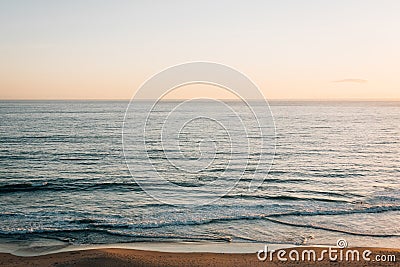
133	257
42	248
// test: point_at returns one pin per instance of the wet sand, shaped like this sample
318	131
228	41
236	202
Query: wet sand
129	257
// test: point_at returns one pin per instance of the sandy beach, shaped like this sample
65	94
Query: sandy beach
129	257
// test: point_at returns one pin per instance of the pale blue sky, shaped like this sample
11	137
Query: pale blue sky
291	49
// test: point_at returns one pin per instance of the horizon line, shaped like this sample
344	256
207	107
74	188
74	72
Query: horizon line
222	99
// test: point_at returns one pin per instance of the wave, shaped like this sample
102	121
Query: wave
376	209
327	193
80	235
216	170
372	209
331	229
285	197
132	230
49	186
280	180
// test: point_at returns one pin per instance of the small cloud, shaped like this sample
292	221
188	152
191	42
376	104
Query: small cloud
350	81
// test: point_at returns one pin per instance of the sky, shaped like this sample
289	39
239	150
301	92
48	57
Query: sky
290	49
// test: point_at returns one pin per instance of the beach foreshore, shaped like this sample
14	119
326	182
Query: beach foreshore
133	257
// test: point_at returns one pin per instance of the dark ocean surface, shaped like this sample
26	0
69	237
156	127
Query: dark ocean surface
336	174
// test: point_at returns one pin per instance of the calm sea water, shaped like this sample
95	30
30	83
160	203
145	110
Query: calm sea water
335	175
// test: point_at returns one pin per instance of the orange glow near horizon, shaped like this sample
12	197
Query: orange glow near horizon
50	50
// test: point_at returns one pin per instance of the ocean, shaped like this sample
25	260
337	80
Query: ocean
335	175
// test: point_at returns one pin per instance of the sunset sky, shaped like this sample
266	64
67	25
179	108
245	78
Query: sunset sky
290	49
